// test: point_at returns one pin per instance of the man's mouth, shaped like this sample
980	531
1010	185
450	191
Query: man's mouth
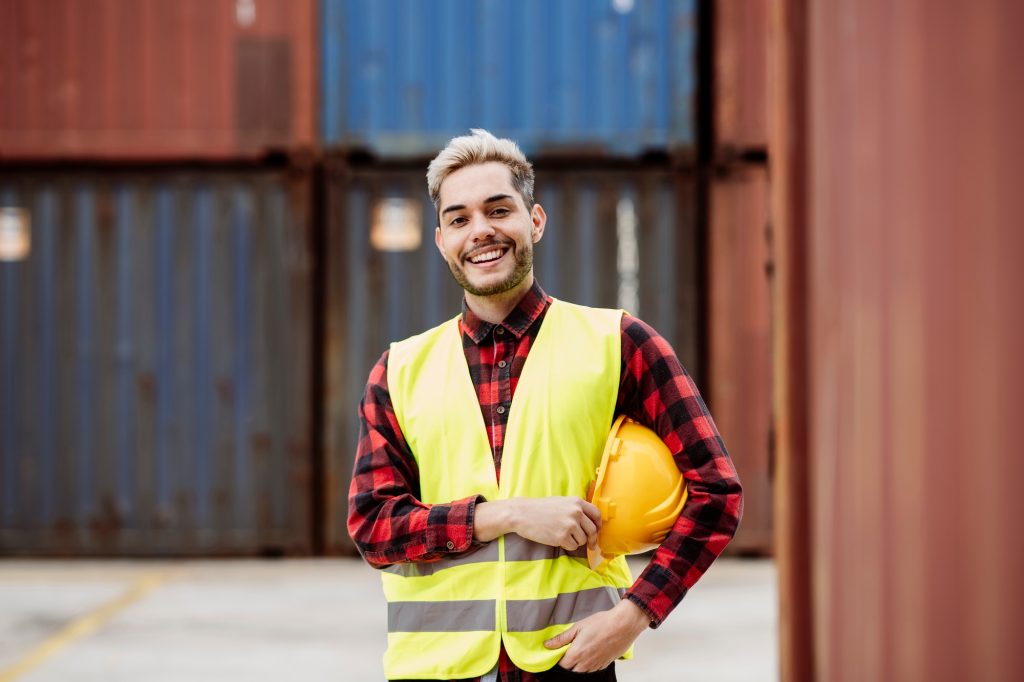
488	255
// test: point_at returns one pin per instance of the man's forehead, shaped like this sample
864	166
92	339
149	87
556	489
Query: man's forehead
476	182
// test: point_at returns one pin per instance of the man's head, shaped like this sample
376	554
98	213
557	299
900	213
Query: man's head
480	147
482	189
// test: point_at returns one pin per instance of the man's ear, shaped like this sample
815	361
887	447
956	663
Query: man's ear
539	219
437	240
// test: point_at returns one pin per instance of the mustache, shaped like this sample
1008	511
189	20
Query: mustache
487	246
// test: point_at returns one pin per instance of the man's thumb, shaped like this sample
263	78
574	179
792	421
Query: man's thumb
558	641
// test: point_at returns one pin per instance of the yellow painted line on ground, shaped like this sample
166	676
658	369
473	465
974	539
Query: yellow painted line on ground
83	626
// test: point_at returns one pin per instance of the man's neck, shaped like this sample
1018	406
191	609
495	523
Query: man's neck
495	309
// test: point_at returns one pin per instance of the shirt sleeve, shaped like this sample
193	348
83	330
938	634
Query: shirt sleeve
656	391
386	519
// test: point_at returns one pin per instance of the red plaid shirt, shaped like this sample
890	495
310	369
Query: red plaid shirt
390	525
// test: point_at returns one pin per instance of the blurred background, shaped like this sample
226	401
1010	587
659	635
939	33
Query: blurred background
213	219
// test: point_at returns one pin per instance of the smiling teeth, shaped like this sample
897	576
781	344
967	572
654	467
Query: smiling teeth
489	255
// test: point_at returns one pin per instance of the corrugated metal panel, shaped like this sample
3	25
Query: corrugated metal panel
739	331
155	365
741	75
401	77
912	198
374	297
155	79
789	175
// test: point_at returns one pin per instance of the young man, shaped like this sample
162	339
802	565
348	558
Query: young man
478	440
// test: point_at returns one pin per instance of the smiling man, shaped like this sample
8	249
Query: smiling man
479	437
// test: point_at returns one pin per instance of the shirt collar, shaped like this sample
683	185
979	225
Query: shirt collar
530	307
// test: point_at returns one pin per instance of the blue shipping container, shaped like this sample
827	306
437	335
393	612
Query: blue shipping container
155	364
402	77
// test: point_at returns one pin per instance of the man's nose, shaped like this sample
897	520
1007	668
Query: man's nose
480	227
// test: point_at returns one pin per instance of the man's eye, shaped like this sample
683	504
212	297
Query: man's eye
500	212
458	220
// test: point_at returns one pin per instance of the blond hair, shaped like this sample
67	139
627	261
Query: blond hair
480	147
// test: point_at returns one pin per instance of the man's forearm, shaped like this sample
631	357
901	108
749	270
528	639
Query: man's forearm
493	519
402	533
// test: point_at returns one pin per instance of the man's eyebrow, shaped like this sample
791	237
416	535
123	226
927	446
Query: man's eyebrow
453	207
488	200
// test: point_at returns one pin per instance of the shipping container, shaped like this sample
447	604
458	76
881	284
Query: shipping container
621	238
739	342
155	363
901	160
741	77
402	77
156	79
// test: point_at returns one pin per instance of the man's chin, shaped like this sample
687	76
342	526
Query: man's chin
488	286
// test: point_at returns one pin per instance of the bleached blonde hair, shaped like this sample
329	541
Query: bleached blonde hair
480	147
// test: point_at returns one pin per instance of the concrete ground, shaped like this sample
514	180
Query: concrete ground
309	620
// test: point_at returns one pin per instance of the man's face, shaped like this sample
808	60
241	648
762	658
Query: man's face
486	232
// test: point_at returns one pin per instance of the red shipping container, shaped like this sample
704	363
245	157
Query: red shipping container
741	79
740	354
150	79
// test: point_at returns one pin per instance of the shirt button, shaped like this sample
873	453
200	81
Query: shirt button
501	363
450	545
501	409
501	330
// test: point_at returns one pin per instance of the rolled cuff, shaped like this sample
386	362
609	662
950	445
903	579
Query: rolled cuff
657	591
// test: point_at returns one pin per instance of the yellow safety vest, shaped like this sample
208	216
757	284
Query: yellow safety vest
447	619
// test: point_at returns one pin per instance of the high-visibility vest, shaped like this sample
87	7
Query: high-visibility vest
447	619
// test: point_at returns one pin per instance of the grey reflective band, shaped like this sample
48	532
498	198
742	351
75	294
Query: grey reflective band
524	615
527	615
488	552
516	549
442	616
520	549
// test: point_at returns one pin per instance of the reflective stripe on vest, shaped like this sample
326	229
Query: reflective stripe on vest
525	615
461	608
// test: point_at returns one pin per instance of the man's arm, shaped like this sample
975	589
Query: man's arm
386	519
566	522
656	391
389	523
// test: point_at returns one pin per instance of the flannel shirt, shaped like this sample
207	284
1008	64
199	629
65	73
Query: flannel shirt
390	525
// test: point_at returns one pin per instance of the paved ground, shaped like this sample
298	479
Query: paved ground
309	620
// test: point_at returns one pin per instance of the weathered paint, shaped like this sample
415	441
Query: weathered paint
374	298
788	242
155	361
910	206
741	76
153	79
739	342
401	77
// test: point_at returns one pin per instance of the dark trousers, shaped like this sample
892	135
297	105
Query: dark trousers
558	674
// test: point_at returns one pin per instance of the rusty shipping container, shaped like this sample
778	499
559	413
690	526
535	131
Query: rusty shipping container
155	350
152	79
614	238
741	76
901	160
739	342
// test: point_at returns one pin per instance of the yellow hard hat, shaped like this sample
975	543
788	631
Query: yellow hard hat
639	491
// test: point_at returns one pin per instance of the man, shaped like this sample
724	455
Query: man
478	439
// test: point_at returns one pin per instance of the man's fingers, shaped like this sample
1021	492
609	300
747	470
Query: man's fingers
560	640
577	539
590	528
593	513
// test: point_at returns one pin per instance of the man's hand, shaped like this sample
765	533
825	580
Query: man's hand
597	640
566	522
